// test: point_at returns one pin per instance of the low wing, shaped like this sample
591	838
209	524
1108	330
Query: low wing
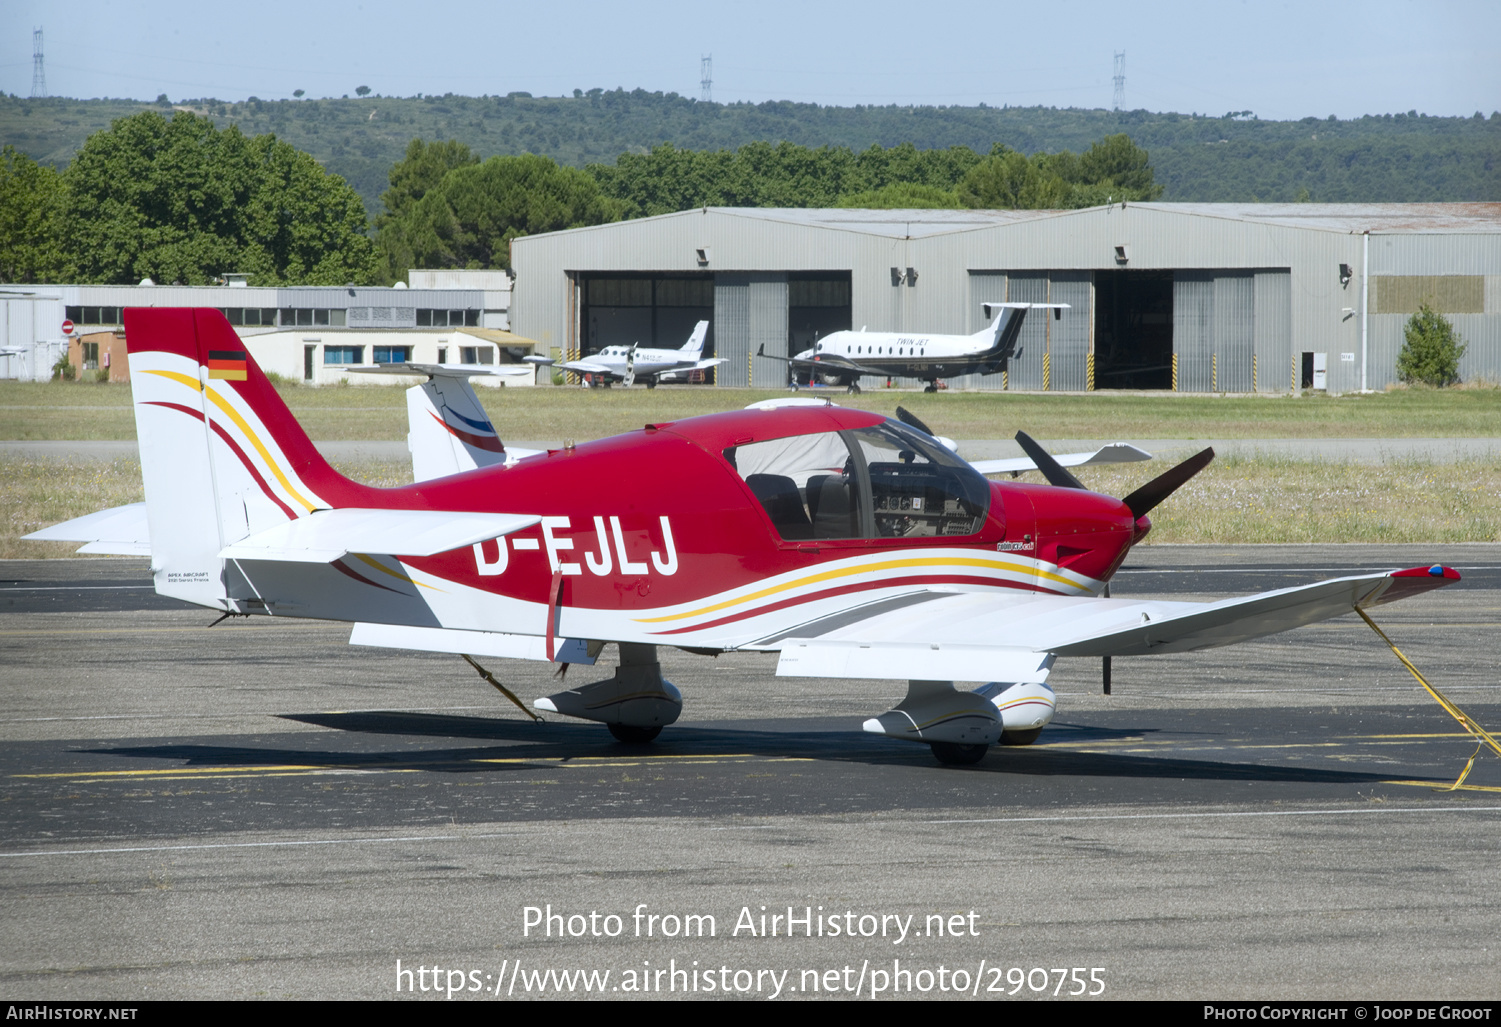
118	531
996	637
589	367
1115	453
411	370
471	643
328	535
833	362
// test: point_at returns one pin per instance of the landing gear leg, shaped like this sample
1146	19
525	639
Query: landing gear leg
854	389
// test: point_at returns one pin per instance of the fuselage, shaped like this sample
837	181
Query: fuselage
906	355
687	534
647	362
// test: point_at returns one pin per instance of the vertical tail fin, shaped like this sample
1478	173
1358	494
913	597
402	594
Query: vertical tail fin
449	430
695	344
221	455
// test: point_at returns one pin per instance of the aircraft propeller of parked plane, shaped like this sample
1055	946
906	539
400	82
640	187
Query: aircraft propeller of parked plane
851	544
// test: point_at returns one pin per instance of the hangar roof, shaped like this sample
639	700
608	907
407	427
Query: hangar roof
899	223
1327	217
1351	217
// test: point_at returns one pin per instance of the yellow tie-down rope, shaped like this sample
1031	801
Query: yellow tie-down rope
1482	736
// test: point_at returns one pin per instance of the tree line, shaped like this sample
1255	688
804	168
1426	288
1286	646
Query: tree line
181	201
1197	156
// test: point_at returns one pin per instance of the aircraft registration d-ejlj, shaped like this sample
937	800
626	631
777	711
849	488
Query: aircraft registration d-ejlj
854	545
843	358
626	364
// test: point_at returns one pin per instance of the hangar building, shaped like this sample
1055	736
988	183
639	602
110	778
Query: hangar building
1198	297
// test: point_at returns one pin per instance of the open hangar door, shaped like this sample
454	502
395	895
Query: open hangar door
1133	329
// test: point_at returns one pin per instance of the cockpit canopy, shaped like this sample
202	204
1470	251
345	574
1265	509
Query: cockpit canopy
884	481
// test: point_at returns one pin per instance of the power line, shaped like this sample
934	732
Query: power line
706	78
1120	79
38	73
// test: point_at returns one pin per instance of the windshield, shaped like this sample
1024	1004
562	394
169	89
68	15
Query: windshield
882	482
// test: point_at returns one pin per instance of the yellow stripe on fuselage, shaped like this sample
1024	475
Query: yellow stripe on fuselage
888	565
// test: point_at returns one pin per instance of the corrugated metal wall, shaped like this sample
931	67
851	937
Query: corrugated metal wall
984	287
1274	332
750	310
1227	325
1068	342
1029	287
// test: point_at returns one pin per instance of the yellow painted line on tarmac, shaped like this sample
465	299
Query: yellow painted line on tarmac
179	771
1439	786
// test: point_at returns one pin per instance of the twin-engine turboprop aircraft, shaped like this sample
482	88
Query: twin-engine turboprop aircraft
843	358
627	364
852	544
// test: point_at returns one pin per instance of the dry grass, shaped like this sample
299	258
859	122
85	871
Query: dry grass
1275	500
86	411
1231	501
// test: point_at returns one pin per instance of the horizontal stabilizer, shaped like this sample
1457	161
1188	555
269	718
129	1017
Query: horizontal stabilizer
1115	453
448	370
118	531
470	643
327	535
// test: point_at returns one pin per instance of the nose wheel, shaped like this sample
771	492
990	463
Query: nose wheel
955	754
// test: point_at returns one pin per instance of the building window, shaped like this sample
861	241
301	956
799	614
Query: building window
343	355
95	315
90	356
447	318
476	355
301	317
442	354
393	354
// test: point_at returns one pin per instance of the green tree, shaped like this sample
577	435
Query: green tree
1431	350
1010	181
469	220
31	196
422	170
181	201
1117	161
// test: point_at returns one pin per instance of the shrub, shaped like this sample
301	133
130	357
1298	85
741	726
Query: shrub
63	369
1430	355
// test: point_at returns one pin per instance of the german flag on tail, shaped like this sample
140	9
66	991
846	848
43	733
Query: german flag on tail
228	364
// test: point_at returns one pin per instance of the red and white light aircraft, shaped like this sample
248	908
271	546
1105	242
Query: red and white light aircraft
854	545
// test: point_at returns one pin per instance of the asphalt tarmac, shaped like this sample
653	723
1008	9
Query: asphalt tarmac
258	810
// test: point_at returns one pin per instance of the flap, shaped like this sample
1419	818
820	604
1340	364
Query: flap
470	643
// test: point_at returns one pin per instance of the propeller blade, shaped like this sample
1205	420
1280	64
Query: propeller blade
908	417
1166	483
1051	469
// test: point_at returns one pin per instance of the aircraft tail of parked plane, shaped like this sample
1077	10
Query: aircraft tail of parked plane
694	347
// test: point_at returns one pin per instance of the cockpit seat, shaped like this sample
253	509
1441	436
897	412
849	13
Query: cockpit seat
779	496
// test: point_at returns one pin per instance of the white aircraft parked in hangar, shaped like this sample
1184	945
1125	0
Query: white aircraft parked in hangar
626	364
843	358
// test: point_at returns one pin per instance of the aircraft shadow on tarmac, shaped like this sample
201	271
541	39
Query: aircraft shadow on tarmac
524	746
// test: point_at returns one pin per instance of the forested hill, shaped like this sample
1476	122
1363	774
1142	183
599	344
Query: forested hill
1233	157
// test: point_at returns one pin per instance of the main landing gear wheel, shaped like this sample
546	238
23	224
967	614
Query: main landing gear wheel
956	755
631	735
931	387
1020	737
651	384
853	390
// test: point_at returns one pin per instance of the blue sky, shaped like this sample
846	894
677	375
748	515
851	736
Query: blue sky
1280	60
